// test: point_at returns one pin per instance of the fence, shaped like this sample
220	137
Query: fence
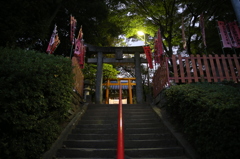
160	78
78	77
210	68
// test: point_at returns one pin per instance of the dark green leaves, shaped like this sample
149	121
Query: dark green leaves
35	95
209	115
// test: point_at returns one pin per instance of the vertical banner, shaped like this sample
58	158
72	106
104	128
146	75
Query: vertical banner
148	53
73	23
224	35
202	28
235	34
156	59
158	48
183	36
79	51
54	41
55	44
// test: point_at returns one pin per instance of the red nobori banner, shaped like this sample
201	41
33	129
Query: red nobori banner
235	34
73	23
54	41
79	51
158	48
148	53
224	35
156	58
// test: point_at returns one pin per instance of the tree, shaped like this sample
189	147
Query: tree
90	71
149	16
109	72
212	11
29	24
26	23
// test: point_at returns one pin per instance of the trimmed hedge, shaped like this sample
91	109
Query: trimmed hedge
210	117
35	95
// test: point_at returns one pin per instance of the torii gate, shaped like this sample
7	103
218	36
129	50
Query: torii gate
118	51
129	85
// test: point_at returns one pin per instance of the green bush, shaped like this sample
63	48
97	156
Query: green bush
35	95
209	115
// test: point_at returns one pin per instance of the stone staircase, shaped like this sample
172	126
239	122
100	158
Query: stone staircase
145	135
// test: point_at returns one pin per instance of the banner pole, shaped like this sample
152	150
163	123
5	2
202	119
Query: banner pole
71	51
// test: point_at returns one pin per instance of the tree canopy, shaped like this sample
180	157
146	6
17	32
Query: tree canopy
168	15
29	24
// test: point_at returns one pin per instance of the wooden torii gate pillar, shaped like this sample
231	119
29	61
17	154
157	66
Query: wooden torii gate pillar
118	51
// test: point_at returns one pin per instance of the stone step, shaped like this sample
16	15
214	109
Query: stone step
115	108
97	121
95	131
113	112
113	143
144	124
126	125
115	116
92	137
148	130
91	117
145	120
145	135
111	153
140	114
86	153
181	157
103	126
111	121
114	136
125	112
154	152
125	118
90	143
156	143
113	130
115	105
149	136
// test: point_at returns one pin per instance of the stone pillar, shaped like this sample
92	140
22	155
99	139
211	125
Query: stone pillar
99	79
139	88
236	7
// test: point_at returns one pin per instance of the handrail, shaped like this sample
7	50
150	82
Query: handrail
120	144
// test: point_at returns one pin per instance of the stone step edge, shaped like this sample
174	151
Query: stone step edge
64	134
116	141
180	157
126	149
189	150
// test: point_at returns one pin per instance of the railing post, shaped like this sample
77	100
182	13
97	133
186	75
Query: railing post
120	144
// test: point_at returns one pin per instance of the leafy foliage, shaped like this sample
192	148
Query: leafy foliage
29	24
32	25
35	95
212	11
209	114
149	16
109	72
90	70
